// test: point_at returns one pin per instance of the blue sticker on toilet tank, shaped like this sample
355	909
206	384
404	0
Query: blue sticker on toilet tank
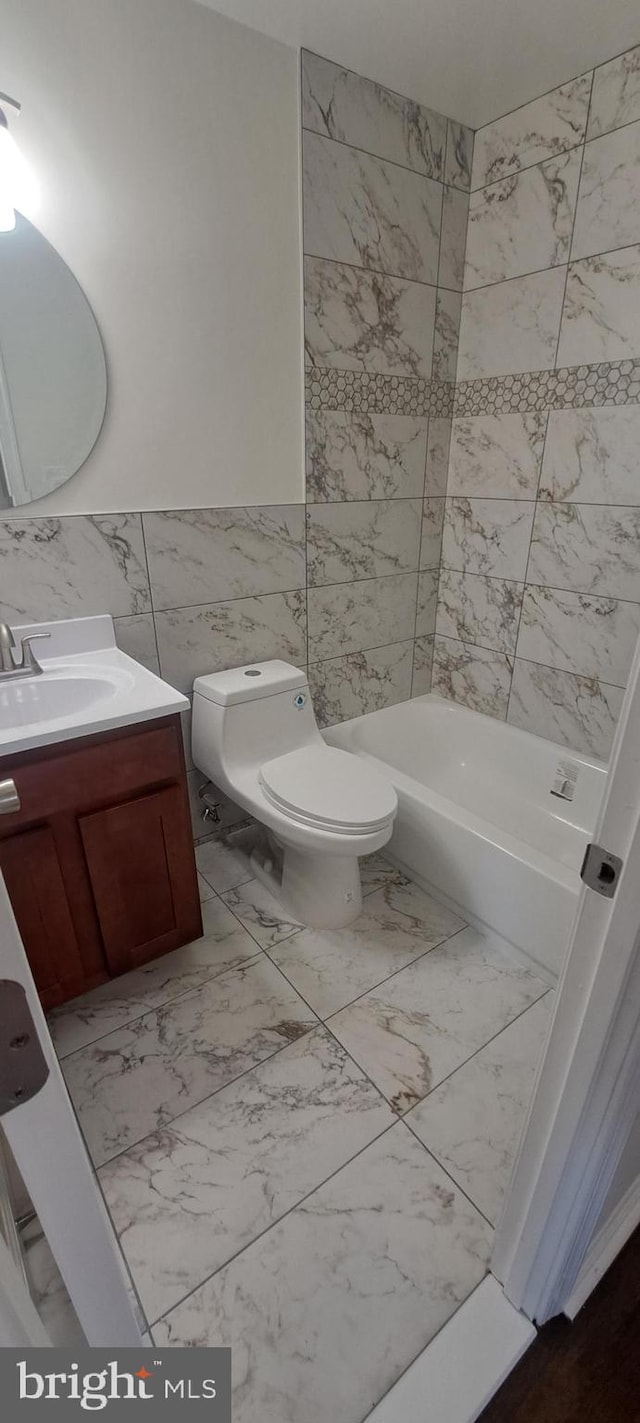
300	701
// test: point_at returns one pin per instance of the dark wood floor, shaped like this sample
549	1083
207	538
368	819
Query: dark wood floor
588	1371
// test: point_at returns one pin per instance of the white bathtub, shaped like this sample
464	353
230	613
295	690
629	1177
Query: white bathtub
477	818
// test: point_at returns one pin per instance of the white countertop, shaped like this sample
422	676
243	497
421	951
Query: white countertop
88	686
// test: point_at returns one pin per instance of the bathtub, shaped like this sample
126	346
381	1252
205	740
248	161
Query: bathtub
478	819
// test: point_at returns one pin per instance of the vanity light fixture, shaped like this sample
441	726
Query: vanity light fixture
16	185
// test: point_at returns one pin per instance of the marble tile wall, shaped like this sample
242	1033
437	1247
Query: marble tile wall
385	205
539	593
190	591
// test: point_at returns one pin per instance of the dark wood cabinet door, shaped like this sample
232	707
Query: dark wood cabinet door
140	863
35	878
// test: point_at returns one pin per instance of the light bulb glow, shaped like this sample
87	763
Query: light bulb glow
17	187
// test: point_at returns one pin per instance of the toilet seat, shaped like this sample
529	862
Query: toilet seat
329	789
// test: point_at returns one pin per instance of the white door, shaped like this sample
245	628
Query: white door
587	1092
47	1145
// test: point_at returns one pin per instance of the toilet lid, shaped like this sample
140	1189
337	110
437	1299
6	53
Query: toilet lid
322	786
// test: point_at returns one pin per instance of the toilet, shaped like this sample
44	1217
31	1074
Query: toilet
254	734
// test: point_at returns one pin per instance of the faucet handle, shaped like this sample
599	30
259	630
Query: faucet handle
28	660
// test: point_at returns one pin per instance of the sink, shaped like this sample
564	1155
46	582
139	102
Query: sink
88	686
54	696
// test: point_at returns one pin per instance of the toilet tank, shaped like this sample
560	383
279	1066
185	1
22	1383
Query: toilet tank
246	715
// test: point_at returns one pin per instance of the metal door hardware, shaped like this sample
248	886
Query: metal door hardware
601	870
9	798
23	1066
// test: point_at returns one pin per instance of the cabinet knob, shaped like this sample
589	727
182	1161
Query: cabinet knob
9	798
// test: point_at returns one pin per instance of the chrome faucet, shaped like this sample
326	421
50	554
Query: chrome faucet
28	666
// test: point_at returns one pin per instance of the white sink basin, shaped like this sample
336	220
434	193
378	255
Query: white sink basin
54	696
87	686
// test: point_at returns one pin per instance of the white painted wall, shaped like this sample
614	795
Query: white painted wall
165	141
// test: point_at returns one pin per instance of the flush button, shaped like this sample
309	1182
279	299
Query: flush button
253	672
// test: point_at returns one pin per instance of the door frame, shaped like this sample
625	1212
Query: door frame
585	1099
49	1151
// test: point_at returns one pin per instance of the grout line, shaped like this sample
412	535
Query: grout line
430	1152
374	272
399	1120
424	108
573	228
564	84
417	173
277	1221
531	533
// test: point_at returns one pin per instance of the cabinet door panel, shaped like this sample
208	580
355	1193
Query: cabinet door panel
34	879
140	863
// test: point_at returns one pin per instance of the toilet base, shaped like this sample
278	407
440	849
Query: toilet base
321	891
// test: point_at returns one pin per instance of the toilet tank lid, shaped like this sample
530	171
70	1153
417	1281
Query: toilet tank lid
246	684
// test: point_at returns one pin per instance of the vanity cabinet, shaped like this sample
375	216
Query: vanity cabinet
98	861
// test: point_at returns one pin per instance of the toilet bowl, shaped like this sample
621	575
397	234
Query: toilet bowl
254	734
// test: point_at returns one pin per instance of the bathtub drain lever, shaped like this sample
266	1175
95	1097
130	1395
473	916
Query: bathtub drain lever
601	870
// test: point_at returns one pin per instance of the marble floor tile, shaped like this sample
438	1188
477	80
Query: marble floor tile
204	889
357	456
523	223
261	913
343	105
351	617
513	327
595	637
367	1269
580	713
331	967
591	456
201	556
411	1032
487	536
552	124
193	641
588	548
601	312
376	872
479	610
224	862
374	214
189	1197
473	675
361	682
366	321
140	1077
496	456
73	567
371	539
224	945
472	1122
615	99
607	214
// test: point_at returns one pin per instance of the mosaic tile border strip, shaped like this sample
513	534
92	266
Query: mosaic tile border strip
607	383
363	393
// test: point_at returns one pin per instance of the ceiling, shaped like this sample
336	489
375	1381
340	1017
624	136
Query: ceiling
471	59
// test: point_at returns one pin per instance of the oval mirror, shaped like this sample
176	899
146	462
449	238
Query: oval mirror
53	375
